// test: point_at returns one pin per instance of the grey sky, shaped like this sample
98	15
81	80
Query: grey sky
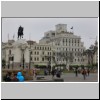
34	28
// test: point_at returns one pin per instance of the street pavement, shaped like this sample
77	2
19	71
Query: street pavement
68	77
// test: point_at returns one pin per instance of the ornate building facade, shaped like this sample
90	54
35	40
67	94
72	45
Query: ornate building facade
56	47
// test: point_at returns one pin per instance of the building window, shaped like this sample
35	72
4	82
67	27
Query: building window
31	58
75	60
48	53
69	40
31	53
72	40
37	48
48	48
78	41
78	44
10	52
75	41
63	40
72	49
42	59
40	48
45	48
43	52
35	59
35	52
78	49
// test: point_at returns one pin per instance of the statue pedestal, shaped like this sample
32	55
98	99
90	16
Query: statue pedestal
19	42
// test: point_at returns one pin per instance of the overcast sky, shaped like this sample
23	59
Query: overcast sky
34	28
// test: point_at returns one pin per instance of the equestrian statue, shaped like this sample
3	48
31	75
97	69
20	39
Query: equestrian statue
20	32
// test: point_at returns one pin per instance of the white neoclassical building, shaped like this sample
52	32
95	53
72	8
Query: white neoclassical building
64	41
56	47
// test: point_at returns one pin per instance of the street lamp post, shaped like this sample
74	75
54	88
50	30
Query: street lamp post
12	61
23	47
23	59
29	58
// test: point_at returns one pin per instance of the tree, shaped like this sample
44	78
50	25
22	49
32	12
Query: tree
3	63
66	55
89	53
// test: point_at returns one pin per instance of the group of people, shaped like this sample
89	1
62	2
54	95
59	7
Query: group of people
13	77
54	72
85	72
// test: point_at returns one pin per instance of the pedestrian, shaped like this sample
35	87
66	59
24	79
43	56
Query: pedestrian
49	71
7	77
34	73
45	71
14	78
84	73
58	73
88	71
20	77
53	72
76	71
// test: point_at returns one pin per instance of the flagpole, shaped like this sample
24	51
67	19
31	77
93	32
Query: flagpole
8	36
13	36
72	29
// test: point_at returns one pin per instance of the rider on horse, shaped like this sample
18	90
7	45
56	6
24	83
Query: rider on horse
20	32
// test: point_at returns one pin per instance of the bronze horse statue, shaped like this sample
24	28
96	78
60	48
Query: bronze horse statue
20	32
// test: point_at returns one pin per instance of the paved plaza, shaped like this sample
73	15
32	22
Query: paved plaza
69	77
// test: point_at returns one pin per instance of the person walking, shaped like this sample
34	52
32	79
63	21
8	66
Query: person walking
76	71
88	71
84	74
53	73
58	73
34	73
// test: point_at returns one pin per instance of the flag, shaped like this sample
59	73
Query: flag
71	27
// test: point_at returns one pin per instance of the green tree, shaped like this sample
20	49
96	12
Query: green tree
3	63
